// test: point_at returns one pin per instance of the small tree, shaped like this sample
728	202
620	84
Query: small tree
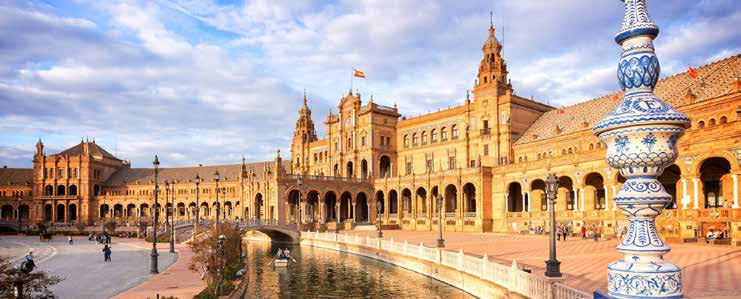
208	260
34	284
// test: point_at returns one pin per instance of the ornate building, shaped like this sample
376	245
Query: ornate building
486	158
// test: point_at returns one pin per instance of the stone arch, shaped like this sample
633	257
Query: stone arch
293	206
6	213
393	202
330	202
118	210
60	212
180	210
421	200
451	199
364	169
350	169
716	182
384	166
669	178
594	191
143	210
514	197
61	190
717	154
48	211
204	210
192	210
258	206
537	192
566	191
434	192
469	198
103	210
25	212
362	209
406	201
380	202
73	190
72	212
346	211
130	210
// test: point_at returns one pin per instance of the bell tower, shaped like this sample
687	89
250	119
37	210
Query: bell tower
492	68
302	137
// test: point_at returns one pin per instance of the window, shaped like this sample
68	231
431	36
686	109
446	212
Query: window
415	139
424	137
362	141
388	141
444	134
409	167
406	140
433	136
336	146
454	132
451	162
315	157
723	120
563	151
486	149
429	166
349	142
570	151
712	122
701	124
591	146
45	173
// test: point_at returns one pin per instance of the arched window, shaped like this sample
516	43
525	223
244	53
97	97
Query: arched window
723	120
444	134
712	122
415	139
701	124
424	137
406	140
570	151
454	132
433	136
563	151
484	79
591	146
539	156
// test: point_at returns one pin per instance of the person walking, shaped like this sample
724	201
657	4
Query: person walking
106	253
583	232
69	237
594	232
559	231
566	230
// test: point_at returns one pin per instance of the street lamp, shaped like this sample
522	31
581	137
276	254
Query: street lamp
18	214
218	206
440	241
337	221
298	218
170	188
552	265
154	253
222	264
378	219
198	191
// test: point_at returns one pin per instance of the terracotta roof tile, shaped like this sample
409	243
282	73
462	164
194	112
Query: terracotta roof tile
16	176
713	80
227	173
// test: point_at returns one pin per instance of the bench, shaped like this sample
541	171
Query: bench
724	241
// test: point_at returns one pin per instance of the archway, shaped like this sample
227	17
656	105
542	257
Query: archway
180	210
227	212
25	212
594	191
48	210
293	205
537	190
451	199
349	170
48	190
384	166
330	203
565	191
346	206
312	206
361	208
118	210
72	212
393	202
669	179
6	213
514	197
469	198
60	212
103	210
433	199
406	202
130	210
73	190
380	201
717	185
192	211
421	200
143	210
60	190
258	206
364	169
204	211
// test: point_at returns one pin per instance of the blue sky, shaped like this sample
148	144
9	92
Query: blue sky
205	82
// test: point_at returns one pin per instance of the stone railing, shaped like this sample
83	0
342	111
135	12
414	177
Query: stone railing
327	178
511	278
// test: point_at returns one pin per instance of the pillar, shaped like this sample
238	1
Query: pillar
685	195
607	198
576	200
735	190
695	192
581	198
524	202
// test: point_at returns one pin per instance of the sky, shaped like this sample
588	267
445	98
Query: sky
206	82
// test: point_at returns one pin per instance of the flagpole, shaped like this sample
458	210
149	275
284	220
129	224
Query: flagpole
352	74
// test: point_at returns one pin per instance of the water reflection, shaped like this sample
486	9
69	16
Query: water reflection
322	273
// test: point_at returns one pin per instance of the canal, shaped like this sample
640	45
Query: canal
322	273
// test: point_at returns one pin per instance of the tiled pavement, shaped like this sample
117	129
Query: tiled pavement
15	248
177	281
708	271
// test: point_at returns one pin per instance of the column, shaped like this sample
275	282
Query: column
685	195
735	190
506	201
322	216
524	202
614	202
576	200
607	198
354	214
581	198
695	192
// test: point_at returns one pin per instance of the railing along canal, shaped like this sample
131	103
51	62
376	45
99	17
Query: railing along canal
511	278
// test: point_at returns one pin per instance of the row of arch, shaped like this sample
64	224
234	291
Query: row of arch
712	122
62	190
328	208
422	203
10	213
415	139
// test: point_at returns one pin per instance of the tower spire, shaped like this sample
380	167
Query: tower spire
491	23
304	97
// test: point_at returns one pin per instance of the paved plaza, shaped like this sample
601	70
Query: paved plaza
81	265
708	271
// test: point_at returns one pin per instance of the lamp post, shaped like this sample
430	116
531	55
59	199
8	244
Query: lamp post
440	241
222	261
198	206
170	188
18	214
298	218
154	253
104	212
553	266
218	205
378	219
337	221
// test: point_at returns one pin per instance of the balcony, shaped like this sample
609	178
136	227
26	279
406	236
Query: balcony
59	197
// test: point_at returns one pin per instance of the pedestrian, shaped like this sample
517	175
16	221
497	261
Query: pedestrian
106	253
594	234
69	237
583	232
566	230
559	231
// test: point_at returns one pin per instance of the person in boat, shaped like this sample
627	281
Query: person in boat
287	253
280	254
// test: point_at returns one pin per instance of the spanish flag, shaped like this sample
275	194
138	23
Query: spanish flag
358	73
691	71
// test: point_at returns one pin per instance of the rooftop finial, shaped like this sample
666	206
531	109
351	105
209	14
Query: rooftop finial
304	96
491	23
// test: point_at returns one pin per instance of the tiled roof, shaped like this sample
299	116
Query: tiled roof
185	174
16	176
713	80
94	149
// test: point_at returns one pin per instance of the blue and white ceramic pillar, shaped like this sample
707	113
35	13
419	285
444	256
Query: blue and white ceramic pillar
641	135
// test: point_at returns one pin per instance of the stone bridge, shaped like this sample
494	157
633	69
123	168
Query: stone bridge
277	231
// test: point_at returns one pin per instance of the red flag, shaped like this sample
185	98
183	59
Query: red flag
358	73
692	72
560	111
616	98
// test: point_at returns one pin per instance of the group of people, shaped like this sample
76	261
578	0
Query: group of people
100	238
714	234
283	254
562	231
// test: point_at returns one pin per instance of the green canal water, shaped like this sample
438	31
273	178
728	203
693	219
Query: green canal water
322	273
